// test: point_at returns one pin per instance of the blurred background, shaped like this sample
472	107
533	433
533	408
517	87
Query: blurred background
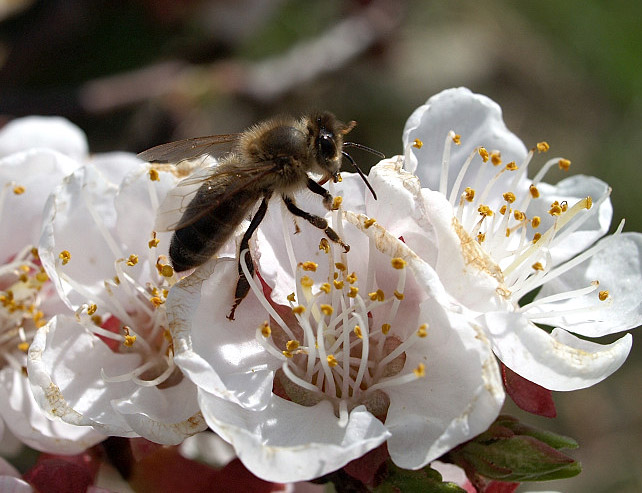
137	73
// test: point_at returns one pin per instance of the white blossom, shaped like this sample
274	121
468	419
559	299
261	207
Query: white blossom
27	298
333	353
109	364
497	236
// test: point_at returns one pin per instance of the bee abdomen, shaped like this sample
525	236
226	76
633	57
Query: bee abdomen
198	241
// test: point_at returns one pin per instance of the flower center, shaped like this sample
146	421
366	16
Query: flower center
337	339
513	247
21	293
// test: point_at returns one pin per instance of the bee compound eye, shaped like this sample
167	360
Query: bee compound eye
327	148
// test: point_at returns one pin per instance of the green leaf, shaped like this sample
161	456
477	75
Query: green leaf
424	480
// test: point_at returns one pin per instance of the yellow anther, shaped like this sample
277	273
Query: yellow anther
309	266
564	205
534	191
156	301
564	164
469	194
398	295
338	178
166	270
332	361
291	298
385	328
97	320
417	144
18	189
325	287
167	335
536	221
24	268
481	237
507	232
457	139
132	260
266	330
543	146
91	309
352	278
485	211
537	266
603	295
483	153
357	332
398	263
23	346
324	245
165	293
306	282
556	209
377	295
589	203
154	175
34	253
336	202
420	371
519	215
129	340
503	209
287	354
292	345
496	158
512	166
422	331
509	197
369	222
65	256
153	243
338	284
340	266
326	309
353	291
298	310
536	237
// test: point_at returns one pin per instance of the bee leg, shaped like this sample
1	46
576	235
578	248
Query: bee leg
313	186
316	221
242	284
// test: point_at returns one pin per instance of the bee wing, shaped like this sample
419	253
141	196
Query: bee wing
181	150
172	209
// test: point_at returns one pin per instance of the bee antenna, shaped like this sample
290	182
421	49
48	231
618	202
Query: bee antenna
363	177
365	148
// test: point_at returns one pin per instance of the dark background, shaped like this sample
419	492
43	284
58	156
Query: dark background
138	73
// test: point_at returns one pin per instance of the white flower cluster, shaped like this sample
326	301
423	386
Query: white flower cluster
392	344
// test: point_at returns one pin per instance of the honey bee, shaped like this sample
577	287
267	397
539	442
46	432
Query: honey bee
271	157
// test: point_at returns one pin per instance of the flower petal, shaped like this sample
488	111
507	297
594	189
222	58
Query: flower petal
476	118
438	412
618	268
49	132
287	442
556	361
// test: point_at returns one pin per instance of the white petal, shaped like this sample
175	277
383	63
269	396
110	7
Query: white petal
460	396
219	356
618	268
476	118
166	416
9	484
287	442
559	361
28	422
79	218
39	172
64	365
54	133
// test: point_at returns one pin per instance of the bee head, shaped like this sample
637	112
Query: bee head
327	140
